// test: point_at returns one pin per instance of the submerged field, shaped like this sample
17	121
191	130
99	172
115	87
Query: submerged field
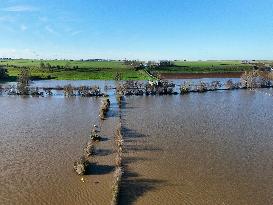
213	148
200	148
75	70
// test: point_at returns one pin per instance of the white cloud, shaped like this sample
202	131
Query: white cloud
20	8
23	27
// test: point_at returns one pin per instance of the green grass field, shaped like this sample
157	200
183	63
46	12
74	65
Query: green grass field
75	70
83	70
204	67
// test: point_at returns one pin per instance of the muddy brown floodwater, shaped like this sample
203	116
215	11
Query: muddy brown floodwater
40	138
210	148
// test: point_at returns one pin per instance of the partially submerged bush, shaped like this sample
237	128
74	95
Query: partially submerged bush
35	92
86	91
185	88
230	85
116	185
48	91
119	100
3	72
81	166
215	85
202	87
118	171
23	82
105	104
68	90
94	134
89	149
255	79
95	137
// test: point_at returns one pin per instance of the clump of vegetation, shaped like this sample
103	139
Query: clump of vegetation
86	91
116	185
94	134
161	87
118	170
68	90
3	73
230	85
105	104
185	88
201	87
81	166
215	85
119	99
256	79
118	76
89	149
48	91
23	82
35	92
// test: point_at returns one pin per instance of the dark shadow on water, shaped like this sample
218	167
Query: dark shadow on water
112	113
104	139
130	136
103	152
129	133
134	186
143	148
95	169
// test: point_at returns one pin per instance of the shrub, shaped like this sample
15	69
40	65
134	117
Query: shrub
81	166
105	104
3	72
23	82
185	88
68	90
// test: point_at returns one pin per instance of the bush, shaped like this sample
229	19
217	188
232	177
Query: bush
23	82
3	73
185	88
68	90
104	108
81	166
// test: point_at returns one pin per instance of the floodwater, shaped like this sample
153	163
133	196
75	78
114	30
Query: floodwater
207	148
40	138
210	148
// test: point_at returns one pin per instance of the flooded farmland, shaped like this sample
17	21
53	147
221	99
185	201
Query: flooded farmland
40	140
213	148
200	148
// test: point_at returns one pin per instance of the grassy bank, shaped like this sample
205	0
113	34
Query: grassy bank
204	67
74	70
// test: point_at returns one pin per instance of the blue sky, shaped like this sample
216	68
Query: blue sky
137	29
